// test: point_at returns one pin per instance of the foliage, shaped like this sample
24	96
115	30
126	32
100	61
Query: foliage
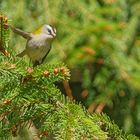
99	41
29	97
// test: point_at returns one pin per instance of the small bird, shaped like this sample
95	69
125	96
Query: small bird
38	43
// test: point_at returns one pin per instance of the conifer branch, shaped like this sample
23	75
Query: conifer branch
30	97
4	34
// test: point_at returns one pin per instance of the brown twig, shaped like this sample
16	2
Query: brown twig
100	107
84	93
91	107
68	89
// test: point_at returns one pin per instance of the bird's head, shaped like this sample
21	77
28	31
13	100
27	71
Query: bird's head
49	31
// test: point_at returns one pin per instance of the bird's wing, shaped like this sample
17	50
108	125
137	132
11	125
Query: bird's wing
26	35
46	54
35	63
22	53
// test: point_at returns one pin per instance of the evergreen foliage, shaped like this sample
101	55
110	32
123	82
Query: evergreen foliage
36	99
99	41
30	97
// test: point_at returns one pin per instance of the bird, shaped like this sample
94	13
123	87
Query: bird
38	43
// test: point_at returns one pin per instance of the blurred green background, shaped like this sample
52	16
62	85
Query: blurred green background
99	40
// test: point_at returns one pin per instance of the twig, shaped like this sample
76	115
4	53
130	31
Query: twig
100	107
68	89
91	107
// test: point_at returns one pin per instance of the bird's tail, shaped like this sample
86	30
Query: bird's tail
26	35
22	53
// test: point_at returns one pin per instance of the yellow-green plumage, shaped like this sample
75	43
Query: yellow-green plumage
38	31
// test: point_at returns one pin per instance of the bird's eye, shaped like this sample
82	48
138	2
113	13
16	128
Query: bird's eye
49	31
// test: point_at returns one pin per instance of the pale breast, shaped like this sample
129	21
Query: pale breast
37	47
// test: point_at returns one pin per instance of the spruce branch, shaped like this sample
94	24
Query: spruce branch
40	102
4	34
30	97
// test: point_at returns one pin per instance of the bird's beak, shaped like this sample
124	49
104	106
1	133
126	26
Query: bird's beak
53	34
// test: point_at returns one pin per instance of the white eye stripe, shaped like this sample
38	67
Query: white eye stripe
49	30
54	30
